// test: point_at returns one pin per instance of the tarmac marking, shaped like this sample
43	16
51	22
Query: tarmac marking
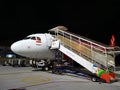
56	81
33	80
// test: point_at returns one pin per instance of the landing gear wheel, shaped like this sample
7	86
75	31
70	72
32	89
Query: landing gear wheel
94	79
46	68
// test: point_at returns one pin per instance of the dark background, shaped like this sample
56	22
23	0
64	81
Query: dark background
95	19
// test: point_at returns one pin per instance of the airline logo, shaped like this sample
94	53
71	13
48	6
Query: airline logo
112	41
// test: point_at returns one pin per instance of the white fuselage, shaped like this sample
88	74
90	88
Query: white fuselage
31	48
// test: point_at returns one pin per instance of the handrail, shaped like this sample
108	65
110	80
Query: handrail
95	51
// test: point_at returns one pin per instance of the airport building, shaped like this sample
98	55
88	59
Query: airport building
7	57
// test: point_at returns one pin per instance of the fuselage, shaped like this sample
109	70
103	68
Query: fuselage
34	46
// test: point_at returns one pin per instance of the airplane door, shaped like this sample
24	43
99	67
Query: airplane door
48	39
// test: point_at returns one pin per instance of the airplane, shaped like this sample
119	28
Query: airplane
36	46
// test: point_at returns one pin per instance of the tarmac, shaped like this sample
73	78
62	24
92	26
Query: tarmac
23	78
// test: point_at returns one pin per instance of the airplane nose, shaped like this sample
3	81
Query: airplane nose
15	47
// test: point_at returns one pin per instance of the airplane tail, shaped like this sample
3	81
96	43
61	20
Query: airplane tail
112	41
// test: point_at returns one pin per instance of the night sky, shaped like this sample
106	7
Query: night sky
95	19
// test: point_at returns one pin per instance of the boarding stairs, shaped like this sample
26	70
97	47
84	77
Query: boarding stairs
90	54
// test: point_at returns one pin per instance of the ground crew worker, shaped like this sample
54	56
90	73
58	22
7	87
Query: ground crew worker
30	62
34	63
19	62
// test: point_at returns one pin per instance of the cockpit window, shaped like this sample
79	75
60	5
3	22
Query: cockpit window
27	37
38	40
33	38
